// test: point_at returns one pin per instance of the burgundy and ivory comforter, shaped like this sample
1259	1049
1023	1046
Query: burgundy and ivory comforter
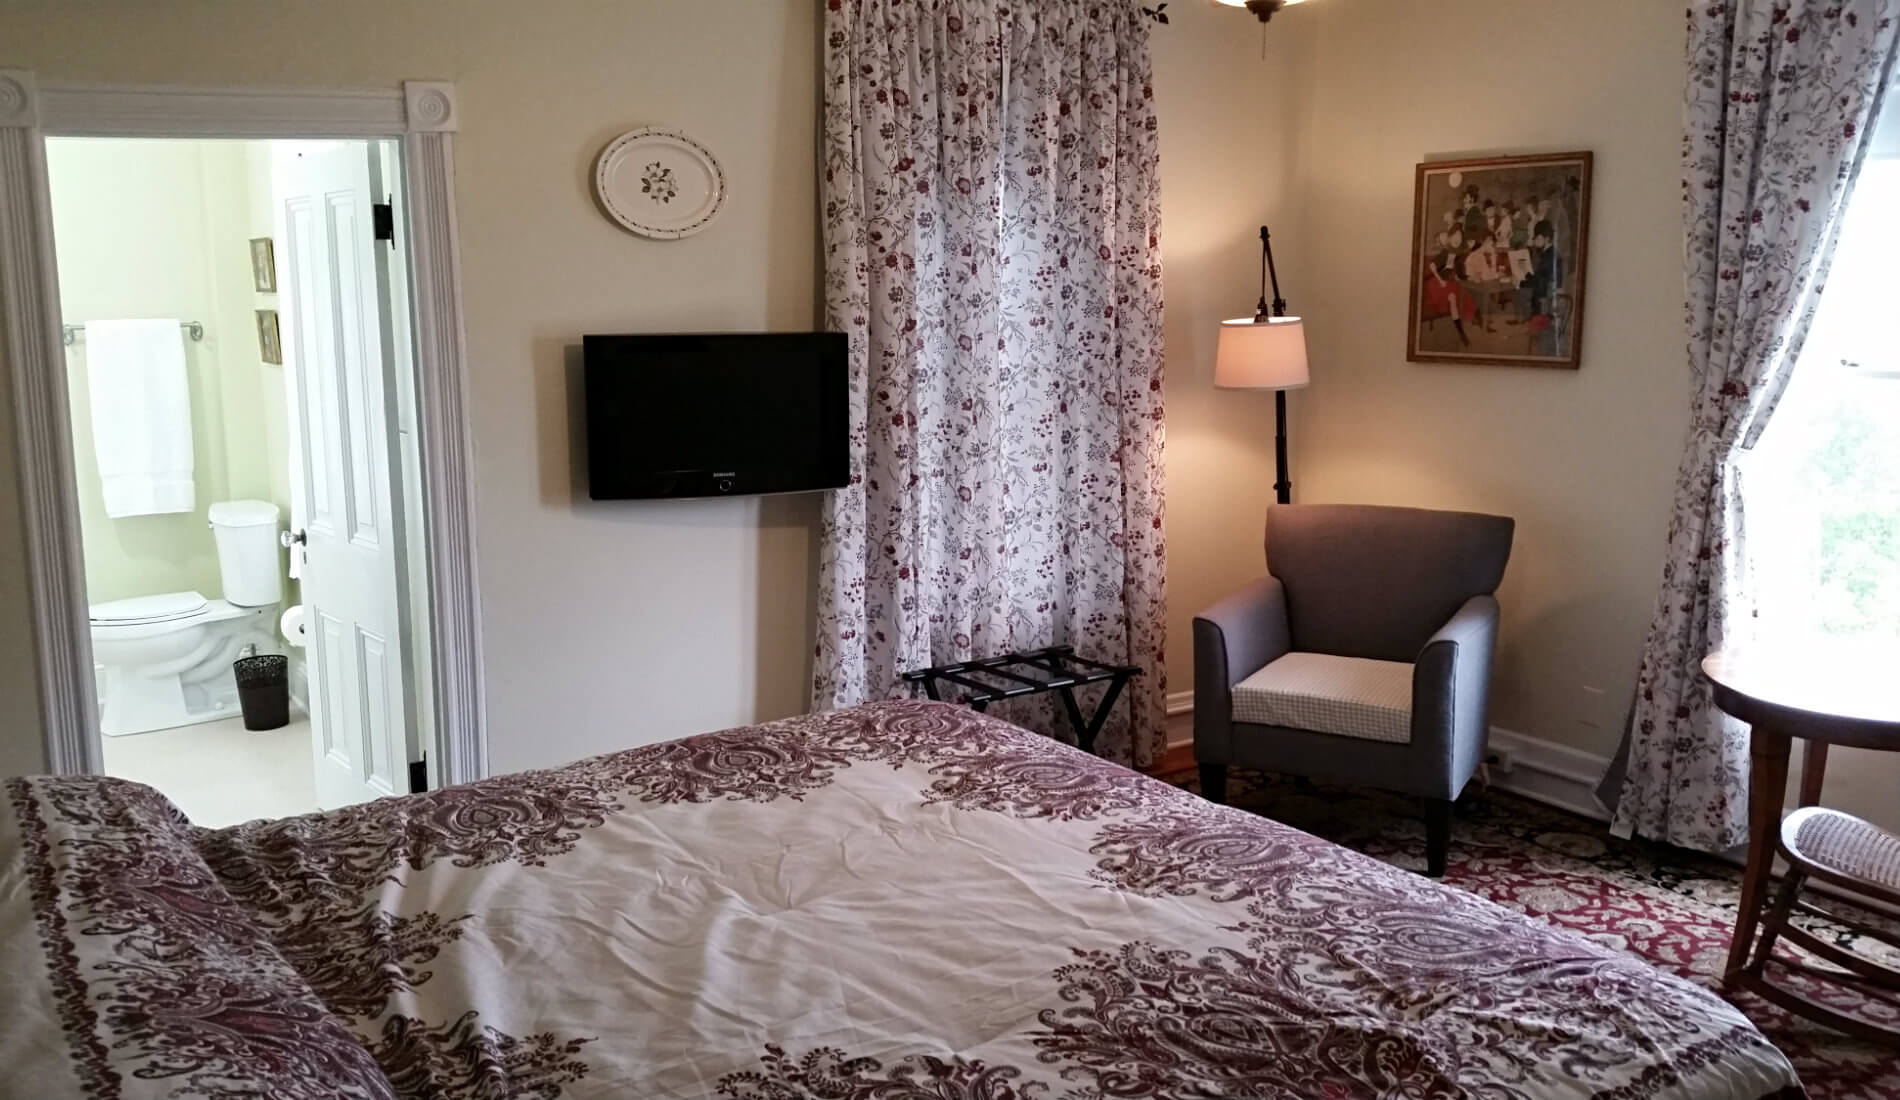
902	901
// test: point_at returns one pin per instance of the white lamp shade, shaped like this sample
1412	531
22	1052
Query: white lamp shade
1261	355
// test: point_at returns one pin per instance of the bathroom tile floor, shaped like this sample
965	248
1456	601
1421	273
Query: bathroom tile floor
220	773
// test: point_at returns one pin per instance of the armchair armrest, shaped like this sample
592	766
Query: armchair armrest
1232	640
1451	696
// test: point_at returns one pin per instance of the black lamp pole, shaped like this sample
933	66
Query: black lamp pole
1262	314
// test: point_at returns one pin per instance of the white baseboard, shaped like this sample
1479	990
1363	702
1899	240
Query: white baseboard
1547	772
1180	733
1542	771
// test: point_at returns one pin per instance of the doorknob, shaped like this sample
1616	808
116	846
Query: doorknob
293	538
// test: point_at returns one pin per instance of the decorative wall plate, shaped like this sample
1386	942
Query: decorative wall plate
659	183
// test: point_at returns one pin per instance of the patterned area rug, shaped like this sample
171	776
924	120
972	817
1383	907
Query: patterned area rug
1671	907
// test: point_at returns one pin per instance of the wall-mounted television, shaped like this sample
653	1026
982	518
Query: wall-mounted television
716	414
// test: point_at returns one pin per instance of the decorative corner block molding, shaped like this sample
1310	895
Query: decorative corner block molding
430	107
19	98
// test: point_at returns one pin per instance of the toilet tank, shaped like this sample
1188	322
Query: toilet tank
248	563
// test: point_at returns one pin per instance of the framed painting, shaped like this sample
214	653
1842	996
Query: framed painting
1499	259
270	344
263	266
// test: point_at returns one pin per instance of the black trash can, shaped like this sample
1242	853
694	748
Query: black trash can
263	685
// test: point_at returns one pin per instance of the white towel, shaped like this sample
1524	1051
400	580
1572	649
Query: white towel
141	415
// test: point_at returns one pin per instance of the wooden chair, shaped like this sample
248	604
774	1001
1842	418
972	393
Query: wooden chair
1852	855
1824	696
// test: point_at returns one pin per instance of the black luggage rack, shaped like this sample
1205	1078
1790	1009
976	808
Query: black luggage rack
1033	672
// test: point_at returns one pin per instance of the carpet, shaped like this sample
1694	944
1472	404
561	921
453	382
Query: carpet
1669	907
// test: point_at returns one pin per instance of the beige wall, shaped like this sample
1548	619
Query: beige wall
176	245
238	209
1584	460
1318	138
254	422
258	205
613	624
606	625
141	251
1229	116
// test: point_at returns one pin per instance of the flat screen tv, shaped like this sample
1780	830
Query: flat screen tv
707	415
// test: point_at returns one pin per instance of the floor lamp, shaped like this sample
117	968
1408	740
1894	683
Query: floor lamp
1267	352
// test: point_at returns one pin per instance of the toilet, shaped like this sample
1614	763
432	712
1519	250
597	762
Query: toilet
166	659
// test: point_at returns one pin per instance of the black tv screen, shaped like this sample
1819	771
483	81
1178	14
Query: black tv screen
724	414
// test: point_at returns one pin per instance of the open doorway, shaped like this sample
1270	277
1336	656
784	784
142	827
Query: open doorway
241	386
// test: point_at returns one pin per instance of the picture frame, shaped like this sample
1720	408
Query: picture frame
1516	301
263	265
270	345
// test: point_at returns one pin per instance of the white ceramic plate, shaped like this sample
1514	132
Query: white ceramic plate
659	183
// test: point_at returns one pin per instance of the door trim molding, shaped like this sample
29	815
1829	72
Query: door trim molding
424	116
29	307
447	455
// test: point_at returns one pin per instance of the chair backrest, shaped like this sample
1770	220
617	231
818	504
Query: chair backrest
1369	581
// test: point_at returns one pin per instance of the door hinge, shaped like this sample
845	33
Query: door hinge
419	775
384	215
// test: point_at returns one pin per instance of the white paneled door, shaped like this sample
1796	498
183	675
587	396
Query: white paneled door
335	332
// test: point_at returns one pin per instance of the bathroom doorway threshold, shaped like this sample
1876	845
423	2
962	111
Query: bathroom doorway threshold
422	118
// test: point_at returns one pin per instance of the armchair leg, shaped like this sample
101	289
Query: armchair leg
1214	782
1437	835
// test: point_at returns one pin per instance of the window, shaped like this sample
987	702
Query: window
1822	487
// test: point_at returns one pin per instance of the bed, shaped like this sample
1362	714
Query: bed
899	901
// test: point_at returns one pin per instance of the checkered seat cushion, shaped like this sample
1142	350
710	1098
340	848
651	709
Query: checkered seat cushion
1346	696
1844	844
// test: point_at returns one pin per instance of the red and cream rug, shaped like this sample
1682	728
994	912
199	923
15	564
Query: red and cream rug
1671	907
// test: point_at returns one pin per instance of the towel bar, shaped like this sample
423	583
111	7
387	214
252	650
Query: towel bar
71	334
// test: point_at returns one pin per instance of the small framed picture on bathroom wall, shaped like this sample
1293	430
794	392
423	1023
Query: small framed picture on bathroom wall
270	345
263	265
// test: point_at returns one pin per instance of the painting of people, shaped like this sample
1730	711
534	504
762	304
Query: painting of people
1498	261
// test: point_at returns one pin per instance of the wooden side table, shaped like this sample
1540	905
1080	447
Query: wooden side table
1825	699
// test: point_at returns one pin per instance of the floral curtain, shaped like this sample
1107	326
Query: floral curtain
1781	99
991	223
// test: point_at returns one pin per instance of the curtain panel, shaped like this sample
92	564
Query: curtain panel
1780	104
992	248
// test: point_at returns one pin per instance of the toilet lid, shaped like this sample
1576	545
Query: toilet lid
149	609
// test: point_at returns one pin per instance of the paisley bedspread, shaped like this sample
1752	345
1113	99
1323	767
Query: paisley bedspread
898	901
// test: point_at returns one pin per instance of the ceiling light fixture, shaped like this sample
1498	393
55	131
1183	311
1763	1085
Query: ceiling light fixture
1262	9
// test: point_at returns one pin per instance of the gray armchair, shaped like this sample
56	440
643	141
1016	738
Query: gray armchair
1363	657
